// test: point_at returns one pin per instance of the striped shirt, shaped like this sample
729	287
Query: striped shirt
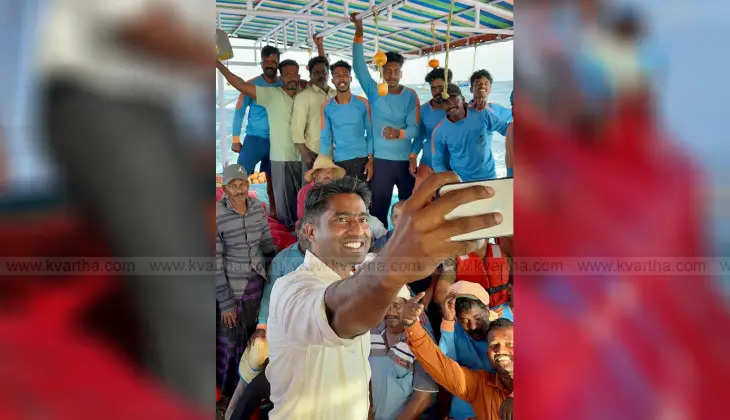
395	374
243	246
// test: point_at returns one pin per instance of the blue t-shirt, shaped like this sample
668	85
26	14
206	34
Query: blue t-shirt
258	120
399	111
429	119
286	261
347	126
503	113
466	145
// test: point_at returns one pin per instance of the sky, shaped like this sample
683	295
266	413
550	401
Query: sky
497	58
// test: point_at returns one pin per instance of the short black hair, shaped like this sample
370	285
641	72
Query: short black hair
318	197
394	57
500	323
288	62
317	60
478	75
438	73
341	63
454	90
268	50
464	304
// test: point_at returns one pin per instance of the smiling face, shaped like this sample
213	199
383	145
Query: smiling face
269	65
455	107
481	87
392	74
342	79
342	232
500	349
290	77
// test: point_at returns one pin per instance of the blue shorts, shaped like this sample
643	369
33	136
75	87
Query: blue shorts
254	150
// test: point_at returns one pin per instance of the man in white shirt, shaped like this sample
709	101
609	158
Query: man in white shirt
320	315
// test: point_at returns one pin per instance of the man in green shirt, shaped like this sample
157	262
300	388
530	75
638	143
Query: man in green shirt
286	165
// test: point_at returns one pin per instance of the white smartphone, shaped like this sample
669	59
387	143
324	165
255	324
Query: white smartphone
501	202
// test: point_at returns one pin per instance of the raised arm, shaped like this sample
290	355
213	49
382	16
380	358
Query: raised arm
248	89
458	380
319	42
243	103
416	248
358	60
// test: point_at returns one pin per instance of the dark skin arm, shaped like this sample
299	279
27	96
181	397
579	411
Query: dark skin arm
416	248
308	156
416	405
248	89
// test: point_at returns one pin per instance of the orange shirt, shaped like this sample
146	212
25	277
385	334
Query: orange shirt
481	389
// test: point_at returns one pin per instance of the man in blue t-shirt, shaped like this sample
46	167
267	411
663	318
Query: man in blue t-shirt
460	140
347	129
255	147
481	86
432	112
395	124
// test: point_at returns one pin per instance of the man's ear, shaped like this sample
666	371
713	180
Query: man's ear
309	231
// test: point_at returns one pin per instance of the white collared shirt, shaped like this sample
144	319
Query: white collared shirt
314	373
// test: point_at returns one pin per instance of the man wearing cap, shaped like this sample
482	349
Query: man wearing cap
460	140
244	248
400	387
489	393
323	171
465	341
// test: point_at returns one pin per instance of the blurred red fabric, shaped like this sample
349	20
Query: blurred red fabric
616	345
52	366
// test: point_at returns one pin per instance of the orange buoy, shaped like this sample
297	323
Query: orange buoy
433	63
382	89
380	59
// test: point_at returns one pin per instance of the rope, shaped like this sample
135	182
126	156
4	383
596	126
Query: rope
474	60
444	93
377	33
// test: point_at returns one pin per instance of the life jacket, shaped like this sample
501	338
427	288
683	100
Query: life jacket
491	272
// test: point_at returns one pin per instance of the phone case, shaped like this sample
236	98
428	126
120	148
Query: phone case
502	202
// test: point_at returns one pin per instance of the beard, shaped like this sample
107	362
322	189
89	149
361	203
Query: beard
270	72
293	85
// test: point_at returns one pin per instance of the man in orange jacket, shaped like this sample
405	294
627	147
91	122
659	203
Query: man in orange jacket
489	394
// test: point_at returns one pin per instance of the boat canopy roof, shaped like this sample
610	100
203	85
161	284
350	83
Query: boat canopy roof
413	28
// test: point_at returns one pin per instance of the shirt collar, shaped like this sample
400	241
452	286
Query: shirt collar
322	270
321	91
